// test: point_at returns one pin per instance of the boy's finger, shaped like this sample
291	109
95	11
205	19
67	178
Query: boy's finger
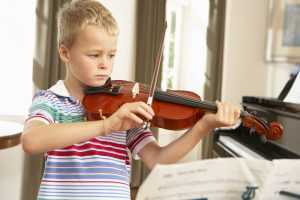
140	110
148	108
135	118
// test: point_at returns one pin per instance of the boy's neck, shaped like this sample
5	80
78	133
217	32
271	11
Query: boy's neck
74	89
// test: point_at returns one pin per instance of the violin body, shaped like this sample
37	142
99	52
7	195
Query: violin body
174	109
168	114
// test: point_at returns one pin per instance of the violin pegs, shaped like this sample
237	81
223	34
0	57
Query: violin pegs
263	139
252	130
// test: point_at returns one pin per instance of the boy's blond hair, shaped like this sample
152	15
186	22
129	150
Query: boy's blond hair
76	15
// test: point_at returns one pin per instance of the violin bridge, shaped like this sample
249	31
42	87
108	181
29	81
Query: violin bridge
135	90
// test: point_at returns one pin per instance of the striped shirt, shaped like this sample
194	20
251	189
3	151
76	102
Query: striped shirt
95	169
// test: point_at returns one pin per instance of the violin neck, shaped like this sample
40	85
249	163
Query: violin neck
205	105
196	103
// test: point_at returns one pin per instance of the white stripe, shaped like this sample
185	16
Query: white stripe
100	145
107	194
94	173
117	184
124	191
35	118
122	142
72	189
80	198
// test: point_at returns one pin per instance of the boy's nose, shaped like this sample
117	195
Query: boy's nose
102	66
102	63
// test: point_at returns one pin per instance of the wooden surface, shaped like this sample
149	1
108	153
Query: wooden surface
10	140
10	133
133	191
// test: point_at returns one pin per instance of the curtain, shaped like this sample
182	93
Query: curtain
150	25
47	69
215	45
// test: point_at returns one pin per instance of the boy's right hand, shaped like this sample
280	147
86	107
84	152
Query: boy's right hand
128	116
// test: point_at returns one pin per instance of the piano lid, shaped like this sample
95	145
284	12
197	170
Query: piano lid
271	109
287	115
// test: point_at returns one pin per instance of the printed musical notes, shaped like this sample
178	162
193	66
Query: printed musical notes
225	178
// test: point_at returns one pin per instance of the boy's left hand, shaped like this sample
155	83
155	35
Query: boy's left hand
227	115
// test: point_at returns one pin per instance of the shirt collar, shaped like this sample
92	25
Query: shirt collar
60	89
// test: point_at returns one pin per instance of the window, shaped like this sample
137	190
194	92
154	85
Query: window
185	54
17	19
185	48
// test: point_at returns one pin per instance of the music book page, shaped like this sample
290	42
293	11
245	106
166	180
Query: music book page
285	176
222	178
293	95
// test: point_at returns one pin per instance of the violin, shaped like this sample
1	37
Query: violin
174	109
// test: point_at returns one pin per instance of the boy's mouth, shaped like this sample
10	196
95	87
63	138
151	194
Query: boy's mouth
101	76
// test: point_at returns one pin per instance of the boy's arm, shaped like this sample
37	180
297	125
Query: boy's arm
40	137
151	154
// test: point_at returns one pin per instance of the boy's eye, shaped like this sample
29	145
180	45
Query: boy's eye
112	55
94	55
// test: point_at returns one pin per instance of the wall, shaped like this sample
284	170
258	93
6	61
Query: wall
245	70
125	14
11	165
11	173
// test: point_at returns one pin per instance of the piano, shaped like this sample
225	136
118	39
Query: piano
245	142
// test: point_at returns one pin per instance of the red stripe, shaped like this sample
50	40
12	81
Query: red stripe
38	116
97	140
100	147
86	153
137	140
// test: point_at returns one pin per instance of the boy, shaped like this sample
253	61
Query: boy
89	160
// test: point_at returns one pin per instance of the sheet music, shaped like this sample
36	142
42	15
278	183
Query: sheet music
284	176
293	95
216	179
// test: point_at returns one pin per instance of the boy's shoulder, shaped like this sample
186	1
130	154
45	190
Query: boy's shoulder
58	90
43	94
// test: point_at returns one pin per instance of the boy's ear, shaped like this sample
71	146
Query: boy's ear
64	53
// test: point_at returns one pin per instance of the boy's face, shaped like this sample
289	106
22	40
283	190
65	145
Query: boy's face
90	59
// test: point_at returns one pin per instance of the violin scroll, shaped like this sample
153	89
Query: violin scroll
276	130
272	131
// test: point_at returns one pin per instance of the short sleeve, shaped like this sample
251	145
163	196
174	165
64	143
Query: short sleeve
137	138
41	108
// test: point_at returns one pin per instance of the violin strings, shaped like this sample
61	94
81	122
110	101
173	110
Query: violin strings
200	102
171	93
188	99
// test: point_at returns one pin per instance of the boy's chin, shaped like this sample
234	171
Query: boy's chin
96	83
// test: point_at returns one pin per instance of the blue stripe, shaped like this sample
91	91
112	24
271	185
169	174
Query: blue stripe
91	177
87	192
84	164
